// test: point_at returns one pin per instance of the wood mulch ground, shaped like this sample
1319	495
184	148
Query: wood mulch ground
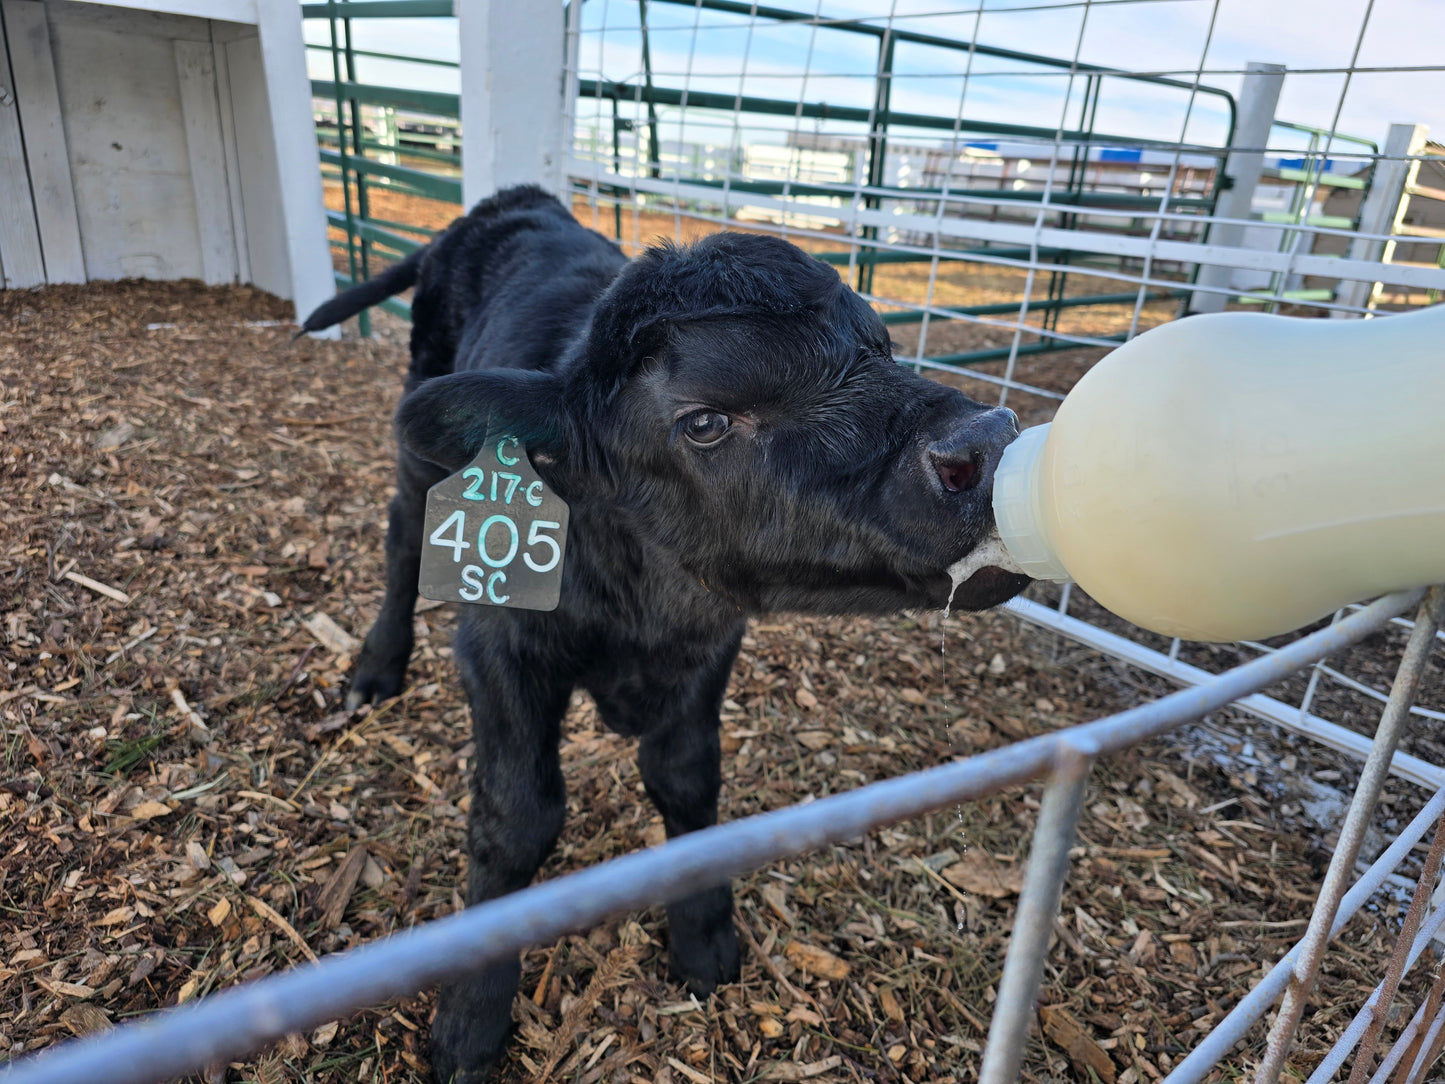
191	522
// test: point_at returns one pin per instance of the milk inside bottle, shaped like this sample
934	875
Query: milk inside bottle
1237	475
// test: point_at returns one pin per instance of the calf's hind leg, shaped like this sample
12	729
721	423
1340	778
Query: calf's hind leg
518	805
381	668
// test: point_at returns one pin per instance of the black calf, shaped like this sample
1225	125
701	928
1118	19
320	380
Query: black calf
732	436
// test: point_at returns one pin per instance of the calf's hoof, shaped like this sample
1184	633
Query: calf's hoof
706	962
380	673
472	1023
463	1050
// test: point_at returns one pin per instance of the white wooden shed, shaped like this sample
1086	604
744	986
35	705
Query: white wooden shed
159	139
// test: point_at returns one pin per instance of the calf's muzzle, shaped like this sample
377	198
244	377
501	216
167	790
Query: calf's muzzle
965	460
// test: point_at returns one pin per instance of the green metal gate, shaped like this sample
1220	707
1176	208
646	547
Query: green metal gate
366	130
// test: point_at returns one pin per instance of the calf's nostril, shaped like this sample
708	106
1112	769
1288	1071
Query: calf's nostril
965	459
957	477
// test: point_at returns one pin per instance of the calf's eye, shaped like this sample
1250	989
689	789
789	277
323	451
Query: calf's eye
705	426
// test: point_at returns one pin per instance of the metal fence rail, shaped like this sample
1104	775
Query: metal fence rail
646	133
243	1019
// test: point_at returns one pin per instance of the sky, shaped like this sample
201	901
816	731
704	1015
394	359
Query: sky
705	50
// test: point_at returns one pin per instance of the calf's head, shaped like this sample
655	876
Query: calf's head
735	405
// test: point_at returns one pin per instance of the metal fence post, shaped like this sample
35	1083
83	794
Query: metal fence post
1257	101
1383	208
1018	989
512	100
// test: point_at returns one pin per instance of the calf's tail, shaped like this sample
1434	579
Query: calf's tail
393	280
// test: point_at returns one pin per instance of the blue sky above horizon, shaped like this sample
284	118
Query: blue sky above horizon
706	50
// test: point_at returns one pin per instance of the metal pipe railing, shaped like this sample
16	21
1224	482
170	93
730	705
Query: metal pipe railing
241	1020
1250	1009
1048	868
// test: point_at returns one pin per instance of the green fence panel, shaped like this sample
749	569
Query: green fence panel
423	183
379	9
437	102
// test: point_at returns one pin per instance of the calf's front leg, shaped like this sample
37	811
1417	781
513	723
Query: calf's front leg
679	758
518	805
681	769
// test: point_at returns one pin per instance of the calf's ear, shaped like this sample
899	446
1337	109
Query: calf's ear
449	418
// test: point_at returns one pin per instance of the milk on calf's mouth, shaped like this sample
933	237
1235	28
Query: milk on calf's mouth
990	553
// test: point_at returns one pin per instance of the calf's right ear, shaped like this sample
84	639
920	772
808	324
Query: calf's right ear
448	419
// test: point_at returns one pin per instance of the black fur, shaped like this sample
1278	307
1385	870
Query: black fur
393	280
832	490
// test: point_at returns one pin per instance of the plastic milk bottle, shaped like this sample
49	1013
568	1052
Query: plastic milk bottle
1235	476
